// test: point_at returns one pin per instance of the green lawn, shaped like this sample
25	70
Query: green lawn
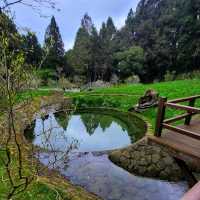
125	96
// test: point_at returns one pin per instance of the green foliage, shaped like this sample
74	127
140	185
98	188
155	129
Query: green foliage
36	190
167	30
54	48
33	49
132	79
130	62
125	96
65	83
170	76
45	75
82	47
8	27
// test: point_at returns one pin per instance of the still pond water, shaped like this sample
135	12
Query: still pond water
76	145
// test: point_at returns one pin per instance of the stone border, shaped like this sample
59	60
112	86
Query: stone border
147	160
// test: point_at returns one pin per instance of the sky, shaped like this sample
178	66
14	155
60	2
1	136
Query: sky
70	15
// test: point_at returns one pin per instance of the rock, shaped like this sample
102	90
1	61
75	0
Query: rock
147	160
155	158
153	170
126	154
168	160
149	99
143	162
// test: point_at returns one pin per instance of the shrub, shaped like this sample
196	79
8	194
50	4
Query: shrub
65	83
52	83
132	79
170	76
34	82
114	79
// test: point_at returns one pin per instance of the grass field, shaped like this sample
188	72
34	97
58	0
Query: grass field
125	96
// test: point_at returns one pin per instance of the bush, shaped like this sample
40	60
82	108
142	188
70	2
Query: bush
45	75
65	84
114	79
34	82
79	80
170	76
52	83
132	79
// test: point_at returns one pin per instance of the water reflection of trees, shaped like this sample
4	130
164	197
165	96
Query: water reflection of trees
63	119
53	130
93	121
48	149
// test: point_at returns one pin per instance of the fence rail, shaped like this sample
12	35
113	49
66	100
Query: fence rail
191	110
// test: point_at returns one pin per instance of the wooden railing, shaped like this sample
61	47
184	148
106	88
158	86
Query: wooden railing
191	110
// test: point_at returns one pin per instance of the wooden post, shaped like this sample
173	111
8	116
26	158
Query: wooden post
160	116
189	118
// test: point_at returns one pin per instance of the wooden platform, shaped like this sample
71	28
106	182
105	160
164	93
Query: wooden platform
182	144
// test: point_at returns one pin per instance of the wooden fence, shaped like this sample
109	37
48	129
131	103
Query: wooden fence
190	109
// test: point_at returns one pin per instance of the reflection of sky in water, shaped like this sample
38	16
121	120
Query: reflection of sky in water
57	138
99	175
94	171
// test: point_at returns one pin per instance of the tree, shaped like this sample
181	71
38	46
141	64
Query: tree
8	26
55	48
130	19
110	28
82	57
33	49
130	62
107	44
125	37
94	72
35	4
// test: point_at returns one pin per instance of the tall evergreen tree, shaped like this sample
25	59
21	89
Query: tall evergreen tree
8	27
125	37
111	29
33	49
85	50
54	47
107	34
130	18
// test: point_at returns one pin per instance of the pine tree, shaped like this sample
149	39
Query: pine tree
85	48
95	67
8	27
126	36
111	29
87	24
82	52
54	47
33	49
130	18
107	43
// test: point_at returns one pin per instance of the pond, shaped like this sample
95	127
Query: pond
77	145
